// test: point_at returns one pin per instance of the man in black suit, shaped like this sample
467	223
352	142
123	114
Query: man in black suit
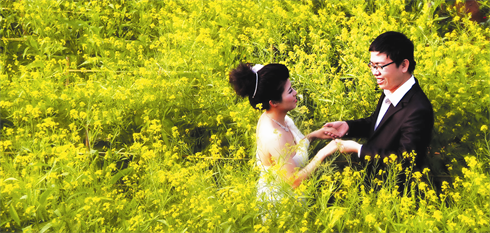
404	118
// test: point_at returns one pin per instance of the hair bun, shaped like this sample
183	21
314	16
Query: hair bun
243	80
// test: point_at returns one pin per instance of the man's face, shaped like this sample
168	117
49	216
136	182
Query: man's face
389	77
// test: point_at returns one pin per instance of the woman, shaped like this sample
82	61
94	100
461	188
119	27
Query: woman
280	145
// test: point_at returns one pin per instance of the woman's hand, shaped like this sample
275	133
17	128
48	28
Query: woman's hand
323	133
348	146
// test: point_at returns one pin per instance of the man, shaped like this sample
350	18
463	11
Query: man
404	118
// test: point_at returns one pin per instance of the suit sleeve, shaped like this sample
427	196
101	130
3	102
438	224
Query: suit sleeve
360	128
414	135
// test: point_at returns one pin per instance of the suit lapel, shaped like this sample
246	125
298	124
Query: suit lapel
392	110
376	112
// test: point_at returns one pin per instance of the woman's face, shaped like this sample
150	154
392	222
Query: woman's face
288	97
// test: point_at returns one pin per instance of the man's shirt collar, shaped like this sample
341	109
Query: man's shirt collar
396	96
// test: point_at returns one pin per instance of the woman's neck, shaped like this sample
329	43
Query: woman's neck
277	116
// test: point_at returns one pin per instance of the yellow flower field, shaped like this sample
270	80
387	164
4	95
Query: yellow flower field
117	116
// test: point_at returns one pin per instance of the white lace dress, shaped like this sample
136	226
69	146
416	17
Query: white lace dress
270	187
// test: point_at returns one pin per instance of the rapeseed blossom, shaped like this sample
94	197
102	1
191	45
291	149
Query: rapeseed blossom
119	117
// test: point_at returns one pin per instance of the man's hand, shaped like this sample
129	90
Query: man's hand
341	127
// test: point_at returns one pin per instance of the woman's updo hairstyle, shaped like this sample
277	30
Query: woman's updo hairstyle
271	80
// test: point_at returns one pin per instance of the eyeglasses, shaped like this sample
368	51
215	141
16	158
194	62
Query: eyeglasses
378	67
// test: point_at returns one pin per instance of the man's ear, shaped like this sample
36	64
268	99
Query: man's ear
405	64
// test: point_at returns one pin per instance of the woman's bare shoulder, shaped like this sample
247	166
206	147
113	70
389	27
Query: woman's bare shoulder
266	133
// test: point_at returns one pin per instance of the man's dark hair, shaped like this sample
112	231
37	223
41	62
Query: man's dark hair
396	46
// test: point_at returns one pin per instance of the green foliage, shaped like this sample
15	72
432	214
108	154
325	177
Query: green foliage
118	115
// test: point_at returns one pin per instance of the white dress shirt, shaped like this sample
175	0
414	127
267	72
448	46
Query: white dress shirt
391	99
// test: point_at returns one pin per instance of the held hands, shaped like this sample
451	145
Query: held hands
322	133
327	133
330	130
341	128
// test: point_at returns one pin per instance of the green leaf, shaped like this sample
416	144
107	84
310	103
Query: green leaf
57	212
46	227
14	215
44	197
11	178
119	175
163	221
228	229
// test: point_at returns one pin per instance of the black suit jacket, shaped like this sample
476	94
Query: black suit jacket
404	128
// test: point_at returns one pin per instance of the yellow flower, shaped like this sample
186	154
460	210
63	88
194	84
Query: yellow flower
370	219
484	128
74	113
393	157
175	131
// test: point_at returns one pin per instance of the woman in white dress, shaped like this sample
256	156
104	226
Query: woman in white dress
282	150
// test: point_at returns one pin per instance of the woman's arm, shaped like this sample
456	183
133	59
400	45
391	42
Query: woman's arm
280	150
326	151
288	168
323	133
